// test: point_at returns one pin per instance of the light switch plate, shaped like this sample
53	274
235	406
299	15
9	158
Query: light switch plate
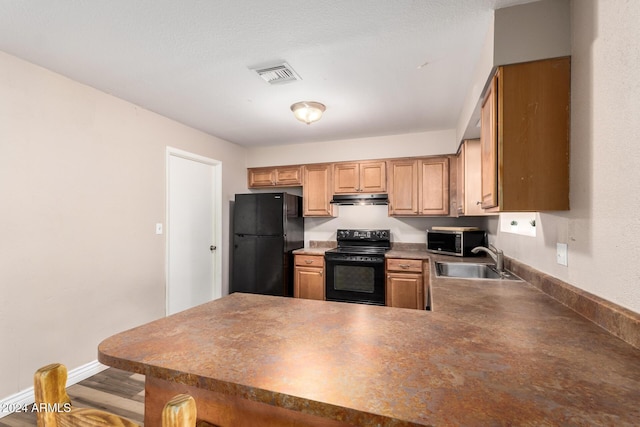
561	253
159	228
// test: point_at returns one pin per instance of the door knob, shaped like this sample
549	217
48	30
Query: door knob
212	248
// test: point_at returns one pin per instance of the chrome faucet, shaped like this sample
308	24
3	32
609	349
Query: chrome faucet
494	253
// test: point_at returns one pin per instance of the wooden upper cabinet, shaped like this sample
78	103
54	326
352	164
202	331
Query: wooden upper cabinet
281	176
316	190
468	179
454	193
289	176
360	177
525	137
419	187
373	177
434	186
403	187
457	183
489	146
346	178
261	177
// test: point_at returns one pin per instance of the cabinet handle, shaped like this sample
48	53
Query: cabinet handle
404	265
308	261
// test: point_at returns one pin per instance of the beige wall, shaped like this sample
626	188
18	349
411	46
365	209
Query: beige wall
82	184
520	33
602	227
379	147
532	31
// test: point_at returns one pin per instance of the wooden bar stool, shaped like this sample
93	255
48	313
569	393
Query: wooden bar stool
50	392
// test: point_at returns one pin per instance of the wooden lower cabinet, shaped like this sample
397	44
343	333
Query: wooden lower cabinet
308	281
405	283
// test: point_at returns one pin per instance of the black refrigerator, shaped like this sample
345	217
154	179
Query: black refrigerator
267	227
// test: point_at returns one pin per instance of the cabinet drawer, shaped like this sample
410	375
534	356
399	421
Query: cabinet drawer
309	260
409	265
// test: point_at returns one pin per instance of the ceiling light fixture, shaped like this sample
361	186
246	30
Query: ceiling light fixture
308	111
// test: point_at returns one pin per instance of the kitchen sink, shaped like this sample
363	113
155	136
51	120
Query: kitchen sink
470	270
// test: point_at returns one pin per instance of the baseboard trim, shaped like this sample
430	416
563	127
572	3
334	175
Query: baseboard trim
25	397
617	320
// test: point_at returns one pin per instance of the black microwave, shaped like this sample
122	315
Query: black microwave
457	243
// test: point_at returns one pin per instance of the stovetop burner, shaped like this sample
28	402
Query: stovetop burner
357	250
362	242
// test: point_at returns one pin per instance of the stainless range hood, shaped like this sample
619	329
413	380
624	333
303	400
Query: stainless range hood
360	199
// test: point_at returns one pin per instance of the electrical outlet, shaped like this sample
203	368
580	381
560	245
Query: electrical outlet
561	253
159	228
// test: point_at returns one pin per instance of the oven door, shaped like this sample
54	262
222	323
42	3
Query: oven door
355	279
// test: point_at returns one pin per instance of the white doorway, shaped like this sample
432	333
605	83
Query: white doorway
193	230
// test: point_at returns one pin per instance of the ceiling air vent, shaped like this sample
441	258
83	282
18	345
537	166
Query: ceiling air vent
278	74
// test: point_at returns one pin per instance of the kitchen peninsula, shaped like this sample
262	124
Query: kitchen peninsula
495	353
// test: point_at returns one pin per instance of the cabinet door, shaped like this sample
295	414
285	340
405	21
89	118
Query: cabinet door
403	187
317	190
289	176
360	177
309	283
405	290
524	137
459	175
533	135
489	147
434	186
373	177
346	178
472	176
261	177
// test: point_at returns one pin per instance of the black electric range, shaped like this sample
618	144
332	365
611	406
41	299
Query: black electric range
355	269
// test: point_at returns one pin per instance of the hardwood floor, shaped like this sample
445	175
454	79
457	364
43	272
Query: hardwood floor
112	390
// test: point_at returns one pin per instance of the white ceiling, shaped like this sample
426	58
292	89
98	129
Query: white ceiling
190	60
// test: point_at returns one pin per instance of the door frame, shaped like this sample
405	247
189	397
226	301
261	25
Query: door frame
217	219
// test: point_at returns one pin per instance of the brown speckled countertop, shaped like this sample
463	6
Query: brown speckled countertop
407	254
310	251
492	353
